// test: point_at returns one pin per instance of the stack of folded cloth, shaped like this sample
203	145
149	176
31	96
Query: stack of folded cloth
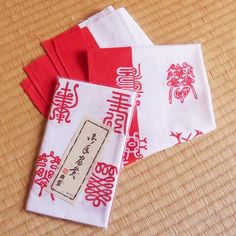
111	98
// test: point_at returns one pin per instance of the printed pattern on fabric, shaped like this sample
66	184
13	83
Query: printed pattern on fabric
180	79
130	78
134	146
100	184
117	114
63	101
181	139
45	166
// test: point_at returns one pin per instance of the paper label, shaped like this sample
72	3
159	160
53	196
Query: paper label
78	160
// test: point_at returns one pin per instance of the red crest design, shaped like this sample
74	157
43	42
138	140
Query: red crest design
100	184
129	78
45	166
64	99
180	80
133	147
181	139
117	113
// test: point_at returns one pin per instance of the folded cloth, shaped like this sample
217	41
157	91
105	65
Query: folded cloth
117	29
173	96
96	16
43	76
42	72
69	44
67	51
73	102
35	96
49	47
107	29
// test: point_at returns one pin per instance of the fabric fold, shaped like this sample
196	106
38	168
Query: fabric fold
35	97
173	95
67	52
85	112
43	75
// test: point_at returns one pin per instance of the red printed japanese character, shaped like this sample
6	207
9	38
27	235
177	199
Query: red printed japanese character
45	166
180	80
100	184
129	78
117	113
64	99
181	139
133	147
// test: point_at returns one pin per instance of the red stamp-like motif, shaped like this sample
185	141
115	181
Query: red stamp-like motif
180	80
117	113
129	78
45	166
181	139
64	99
133	147
100	184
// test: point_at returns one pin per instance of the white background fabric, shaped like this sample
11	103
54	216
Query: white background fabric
118	29
92	103
156	116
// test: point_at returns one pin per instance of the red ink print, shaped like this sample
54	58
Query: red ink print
45	166
180	80
117	113
133	147
100	185
129	78
197	133
181	139
64	99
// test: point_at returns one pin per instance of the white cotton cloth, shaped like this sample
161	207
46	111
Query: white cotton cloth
117	29
160	120
96	16
91	103
174	96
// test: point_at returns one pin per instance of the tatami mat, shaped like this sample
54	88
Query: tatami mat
186	190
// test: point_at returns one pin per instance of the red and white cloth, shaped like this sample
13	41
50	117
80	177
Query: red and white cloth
117	29
96	16
67	52
173	95
72	101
